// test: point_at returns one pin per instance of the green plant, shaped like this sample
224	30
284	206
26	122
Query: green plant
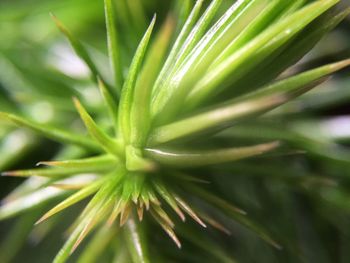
208	98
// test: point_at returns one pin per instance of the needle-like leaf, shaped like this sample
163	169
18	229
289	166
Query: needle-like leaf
93	213
98	244
78	47
136	242
169	198
257	102
126	99
166	228
291	53
217	201
29	201
219	117
294	85
260	22
51	132
194	36
106	142
74	239
202	158
214	223
140	111
186	29
78	196
54	172
230	211
273	37
92	162
189	211
111	104
113	44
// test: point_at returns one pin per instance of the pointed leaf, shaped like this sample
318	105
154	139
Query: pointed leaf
168	197
262	100
29	201
214	223
233	213
194	36
218	37
166	228
106	142
140	111
183	35
69	245
136	241
55	172
129	85
113	45
201	158
51	132
91	162
163	215
218	117
97	245
110	102
215	200
274	36
78	47
288	55
294	85
93	213
78	196
189	211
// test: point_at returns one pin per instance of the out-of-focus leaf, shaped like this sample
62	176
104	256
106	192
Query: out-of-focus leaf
51	132
98	244
136	242
114	48
29	201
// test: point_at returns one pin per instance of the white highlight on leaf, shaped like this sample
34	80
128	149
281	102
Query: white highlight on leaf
67	62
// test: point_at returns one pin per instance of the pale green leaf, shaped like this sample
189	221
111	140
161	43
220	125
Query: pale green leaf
111	103
107	143
210	157
56	172
140	111
129	85
51	132
76	197
78	48
107	161
218	117
194	36
98	244
186	29
114	48
256	102
29	201
271	39
136	242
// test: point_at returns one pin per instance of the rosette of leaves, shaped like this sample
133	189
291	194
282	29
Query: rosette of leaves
197	94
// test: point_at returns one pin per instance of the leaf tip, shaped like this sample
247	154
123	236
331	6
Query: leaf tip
341	64
10	173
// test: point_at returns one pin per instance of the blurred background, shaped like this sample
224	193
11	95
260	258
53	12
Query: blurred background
37	66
